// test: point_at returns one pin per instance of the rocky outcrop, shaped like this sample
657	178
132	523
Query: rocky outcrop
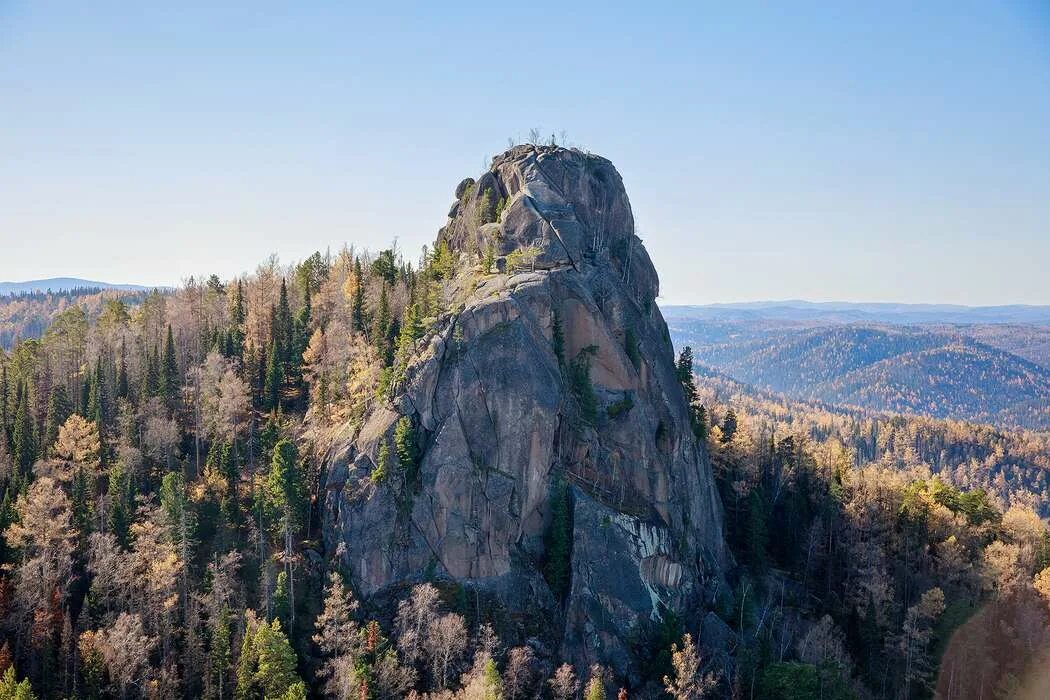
501	404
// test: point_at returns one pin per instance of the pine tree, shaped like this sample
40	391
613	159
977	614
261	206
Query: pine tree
235	338
121	503
281	604
729	425
557	540
11	687
81	503
411	331
595	689
274	380
123	391
407	448
169	371
757	533
684	372
275	670
300	341
23	443
5	422
286	498
220	651
381	327
99	407
357	307
557	337
284	331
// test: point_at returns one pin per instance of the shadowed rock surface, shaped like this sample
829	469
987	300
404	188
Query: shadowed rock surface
501	422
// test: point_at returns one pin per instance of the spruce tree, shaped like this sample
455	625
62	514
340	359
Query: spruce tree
82	500
121	504
284	330
5	414
407	448
357	307
557	541
123	391
684	371
23	442
300	341
557	337
286	498
274	380
169	371
411	331
729	425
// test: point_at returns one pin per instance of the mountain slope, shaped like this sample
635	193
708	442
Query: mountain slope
63	284
849	312
960	380
914	370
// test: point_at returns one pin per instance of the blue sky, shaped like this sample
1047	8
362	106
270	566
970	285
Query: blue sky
897	152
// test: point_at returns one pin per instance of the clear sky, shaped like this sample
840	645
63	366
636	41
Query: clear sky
878	151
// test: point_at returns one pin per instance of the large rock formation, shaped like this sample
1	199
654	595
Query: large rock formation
501	403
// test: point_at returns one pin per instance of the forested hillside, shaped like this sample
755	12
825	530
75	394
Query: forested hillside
197	500
29	314
935	371
1012	465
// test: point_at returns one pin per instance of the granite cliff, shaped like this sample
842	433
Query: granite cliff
557	473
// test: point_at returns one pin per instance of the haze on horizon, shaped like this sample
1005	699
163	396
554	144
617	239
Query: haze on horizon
890	153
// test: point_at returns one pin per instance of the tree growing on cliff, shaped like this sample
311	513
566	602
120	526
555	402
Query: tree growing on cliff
557	540
407	448
286	499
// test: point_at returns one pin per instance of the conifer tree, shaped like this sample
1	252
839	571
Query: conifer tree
281	604
220	652
169	371
5	414
287	500
284	330
121	503
407	448
23	443
557	337
99	408
381	326
729	425
274	380
123	391
84	402
557	540
81	503
357	306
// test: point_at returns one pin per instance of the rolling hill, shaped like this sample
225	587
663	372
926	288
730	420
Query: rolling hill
63	284
938	372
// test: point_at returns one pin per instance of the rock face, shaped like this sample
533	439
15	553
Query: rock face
505	416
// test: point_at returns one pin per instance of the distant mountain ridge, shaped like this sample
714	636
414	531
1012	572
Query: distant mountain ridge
938	371
64	284
850	312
